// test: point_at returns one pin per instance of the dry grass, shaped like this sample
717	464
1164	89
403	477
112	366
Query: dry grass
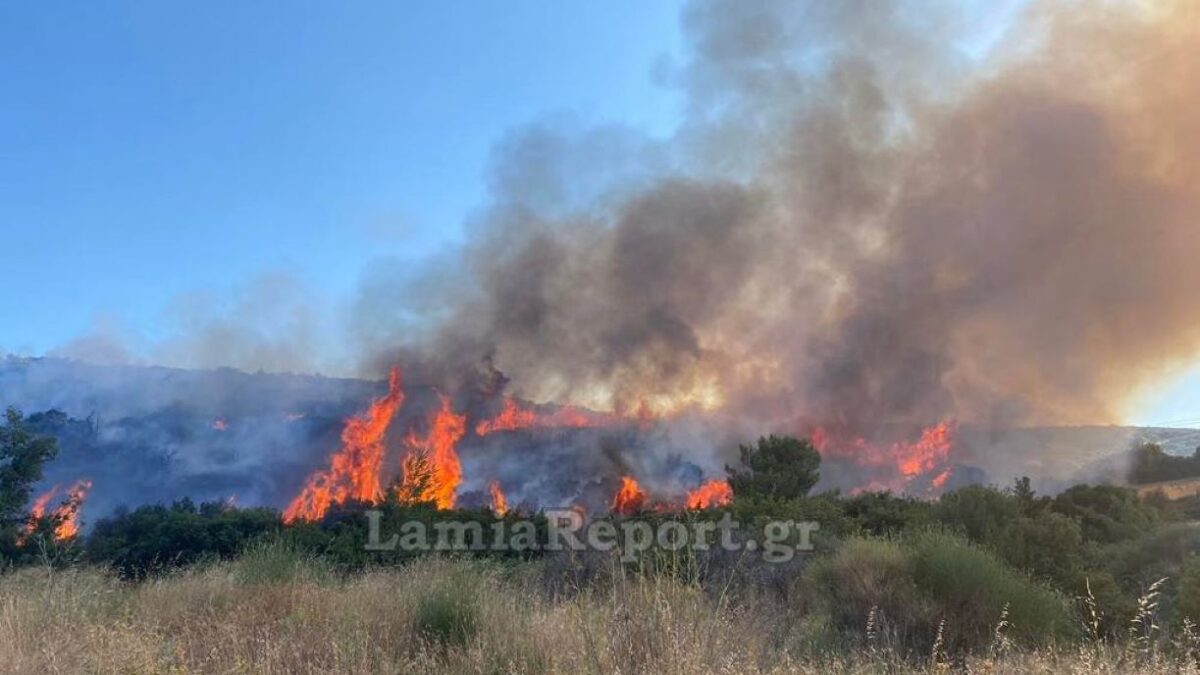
267	614
1171	489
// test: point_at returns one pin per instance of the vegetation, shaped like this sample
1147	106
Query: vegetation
1000	577
1152	465
777	467
151	538
421	618
22	455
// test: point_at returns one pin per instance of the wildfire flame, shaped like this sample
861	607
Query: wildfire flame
38	510
710	495
929	452
512	417
68	512
630	499
903	461
66	515
432	471
499	503
220	424
354	471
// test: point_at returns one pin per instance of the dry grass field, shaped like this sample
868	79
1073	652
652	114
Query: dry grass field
1173	489
272	612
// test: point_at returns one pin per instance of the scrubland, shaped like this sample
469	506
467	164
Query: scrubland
275	610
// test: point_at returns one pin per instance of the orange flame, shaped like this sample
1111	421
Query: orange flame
630	499
439	483
904	461
68	512
220	424
38	510
927	453
499	503
710	495
354	471
512	417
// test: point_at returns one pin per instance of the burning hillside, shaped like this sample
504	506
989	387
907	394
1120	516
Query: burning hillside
427	467
863	234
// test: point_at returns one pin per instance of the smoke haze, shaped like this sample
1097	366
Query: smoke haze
859	222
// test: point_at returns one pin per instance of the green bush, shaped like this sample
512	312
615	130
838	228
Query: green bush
871	576
884	514
447	614
980	512
779	467
153	538
971	588
1107	514
1188	602
906	587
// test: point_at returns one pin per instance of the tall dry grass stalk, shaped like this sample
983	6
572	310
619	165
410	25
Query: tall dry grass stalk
269	613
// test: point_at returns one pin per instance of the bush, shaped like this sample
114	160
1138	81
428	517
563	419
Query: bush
971	588
777	467
447	613
1151	465
980	512
906	587
884	514
868	577
153	538
1187	605
1107	514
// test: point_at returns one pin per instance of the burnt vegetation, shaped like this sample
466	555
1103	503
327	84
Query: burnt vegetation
1055	568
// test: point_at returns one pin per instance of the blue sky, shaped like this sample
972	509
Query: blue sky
151	149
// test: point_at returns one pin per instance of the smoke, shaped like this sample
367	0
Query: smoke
873	213
274	323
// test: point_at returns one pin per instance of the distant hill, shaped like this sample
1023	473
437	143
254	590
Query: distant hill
153	434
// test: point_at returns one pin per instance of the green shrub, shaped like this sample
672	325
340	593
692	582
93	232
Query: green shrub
777	467
1107	514
1187	604
904	588
982	513
972	587
155	537
447	613
866	577
884	514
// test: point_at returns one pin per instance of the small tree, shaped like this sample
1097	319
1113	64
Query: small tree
22	455
780	467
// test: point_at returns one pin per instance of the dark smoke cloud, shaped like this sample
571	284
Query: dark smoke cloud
860	220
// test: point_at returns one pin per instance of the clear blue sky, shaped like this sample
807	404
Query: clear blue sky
149	149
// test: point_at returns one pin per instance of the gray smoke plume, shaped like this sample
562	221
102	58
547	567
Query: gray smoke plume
874	213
